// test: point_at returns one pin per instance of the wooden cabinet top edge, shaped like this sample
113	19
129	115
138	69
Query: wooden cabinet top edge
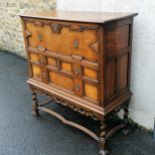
79	16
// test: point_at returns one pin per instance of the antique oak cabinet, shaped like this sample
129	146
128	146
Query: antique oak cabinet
82	61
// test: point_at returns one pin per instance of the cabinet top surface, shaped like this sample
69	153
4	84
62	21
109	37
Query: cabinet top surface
92	17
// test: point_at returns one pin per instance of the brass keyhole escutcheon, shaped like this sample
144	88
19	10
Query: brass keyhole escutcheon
76	44
40	37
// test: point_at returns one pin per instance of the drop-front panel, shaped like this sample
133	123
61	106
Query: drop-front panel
83	63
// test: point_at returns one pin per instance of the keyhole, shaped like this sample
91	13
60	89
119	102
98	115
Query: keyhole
40	37
76	44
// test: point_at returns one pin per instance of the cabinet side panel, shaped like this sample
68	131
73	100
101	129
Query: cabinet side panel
118	50
123	74
110	78
118	39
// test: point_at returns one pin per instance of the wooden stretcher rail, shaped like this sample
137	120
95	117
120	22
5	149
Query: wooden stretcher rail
70	123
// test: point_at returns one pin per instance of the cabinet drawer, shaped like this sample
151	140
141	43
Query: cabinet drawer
71	76
63	38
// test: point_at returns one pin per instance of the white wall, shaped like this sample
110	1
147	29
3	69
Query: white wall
142	107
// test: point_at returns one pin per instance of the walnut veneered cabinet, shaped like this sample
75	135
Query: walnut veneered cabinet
81	60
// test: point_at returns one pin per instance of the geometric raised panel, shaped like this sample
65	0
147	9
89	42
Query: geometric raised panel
51	61
36	71
34	57
123	72
66	66
90	73
60	80
91	91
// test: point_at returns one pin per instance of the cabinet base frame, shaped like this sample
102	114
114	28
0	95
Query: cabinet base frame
101	139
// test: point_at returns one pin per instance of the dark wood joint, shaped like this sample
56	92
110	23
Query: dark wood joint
38	23
56	28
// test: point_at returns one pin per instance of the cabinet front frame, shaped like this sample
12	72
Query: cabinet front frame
97	66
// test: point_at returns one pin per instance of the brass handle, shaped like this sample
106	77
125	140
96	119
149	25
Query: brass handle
42	49
77	87
40	37
77	71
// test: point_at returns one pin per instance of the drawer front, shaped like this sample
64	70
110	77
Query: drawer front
73	75
66	39
65	56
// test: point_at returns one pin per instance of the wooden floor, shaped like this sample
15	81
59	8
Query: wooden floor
23	134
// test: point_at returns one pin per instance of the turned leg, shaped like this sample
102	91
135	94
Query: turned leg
102	139
125	116
35	111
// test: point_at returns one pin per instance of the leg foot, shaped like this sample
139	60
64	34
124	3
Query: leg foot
35	111
103	152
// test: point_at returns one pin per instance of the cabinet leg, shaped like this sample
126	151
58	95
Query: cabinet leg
102	139
35	111
125	116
